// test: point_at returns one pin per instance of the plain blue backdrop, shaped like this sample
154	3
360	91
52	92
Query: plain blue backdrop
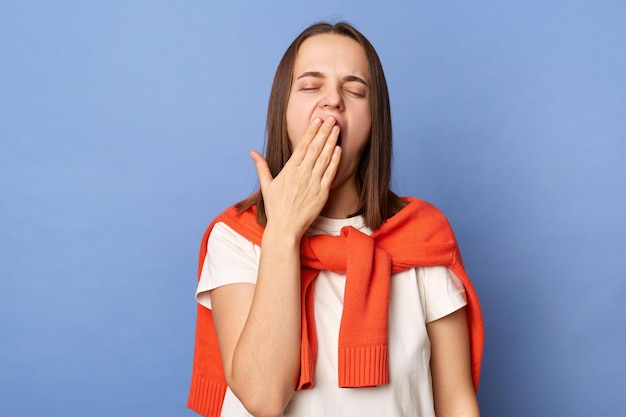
125	127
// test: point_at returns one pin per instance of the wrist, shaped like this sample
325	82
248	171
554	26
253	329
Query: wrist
281	236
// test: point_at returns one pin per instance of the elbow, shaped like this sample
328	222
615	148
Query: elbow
265	406
263	400
263	394
265	410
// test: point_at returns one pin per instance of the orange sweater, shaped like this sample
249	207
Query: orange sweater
419	235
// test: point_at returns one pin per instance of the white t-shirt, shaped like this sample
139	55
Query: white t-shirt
418	296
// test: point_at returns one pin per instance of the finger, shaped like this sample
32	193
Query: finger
319	142
325	156
331	170
262	169
300	149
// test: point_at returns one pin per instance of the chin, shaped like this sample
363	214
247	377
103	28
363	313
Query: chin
343	179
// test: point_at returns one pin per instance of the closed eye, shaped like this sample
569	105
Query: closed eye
356	91
359	94
355	87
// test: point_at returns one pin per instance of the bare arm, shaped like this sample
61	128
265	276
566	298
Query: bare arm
258	326
453	389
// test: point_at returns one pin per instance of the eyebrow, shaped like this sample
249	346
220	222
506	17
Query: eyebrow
317	74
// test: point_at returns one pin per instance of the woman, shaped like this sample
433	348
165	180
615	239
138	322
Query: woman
325	294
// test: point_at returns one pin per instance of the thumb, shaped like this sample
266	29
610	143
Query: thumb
262	169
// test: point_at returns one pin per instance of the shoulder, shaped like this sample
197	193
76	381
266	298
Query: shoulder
423	214
423	208
243	222
222	234
419	222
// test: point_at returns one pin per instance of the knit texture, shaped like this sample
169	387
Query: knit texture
417	236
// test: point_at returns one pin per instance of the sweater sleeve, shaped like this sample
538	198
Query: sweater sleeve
230	259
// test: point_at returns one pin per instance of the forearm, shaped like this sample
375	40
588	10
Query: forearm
266	360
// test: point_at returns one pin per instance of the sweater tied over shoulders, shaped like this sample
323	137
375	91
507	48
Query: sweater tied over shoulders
419	235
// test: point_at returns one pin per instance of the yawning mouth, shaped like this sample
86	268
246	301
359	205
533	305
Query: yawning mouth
339	139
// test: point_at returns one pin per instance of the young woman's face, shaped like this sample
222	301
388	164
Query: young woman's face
332	78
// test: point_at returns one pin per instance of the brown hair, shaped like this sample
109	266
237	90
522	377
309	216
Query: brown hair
378	202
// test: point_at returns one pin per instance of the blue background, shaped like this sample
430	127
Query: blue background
125	127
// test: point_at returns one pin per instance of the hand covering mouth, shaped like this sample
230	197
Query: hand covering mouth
337	123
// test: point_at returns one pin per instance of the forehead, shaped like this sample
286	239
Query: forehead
332	53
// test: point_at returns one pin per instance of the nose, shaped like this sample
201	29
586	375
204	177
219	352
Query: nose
332	99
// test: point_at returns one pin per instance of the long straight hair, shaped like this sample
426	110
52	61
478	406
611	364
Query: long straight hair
377	201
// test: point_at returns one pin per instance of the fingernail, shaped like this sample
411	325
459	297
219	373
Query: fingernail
317	121
330	120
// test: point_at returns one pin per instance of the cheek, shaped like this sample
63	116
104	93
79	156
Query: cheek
364	130
297	121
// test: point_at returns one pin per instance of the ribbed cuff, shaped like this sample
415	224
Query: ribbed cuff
363	366
307	368
206	397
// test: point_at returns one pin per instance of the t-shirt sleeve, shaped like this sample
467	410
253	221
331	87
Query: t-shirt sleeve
230	259
442	292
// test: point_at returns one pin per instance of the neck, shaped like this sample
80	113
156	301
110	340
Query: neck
343	201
